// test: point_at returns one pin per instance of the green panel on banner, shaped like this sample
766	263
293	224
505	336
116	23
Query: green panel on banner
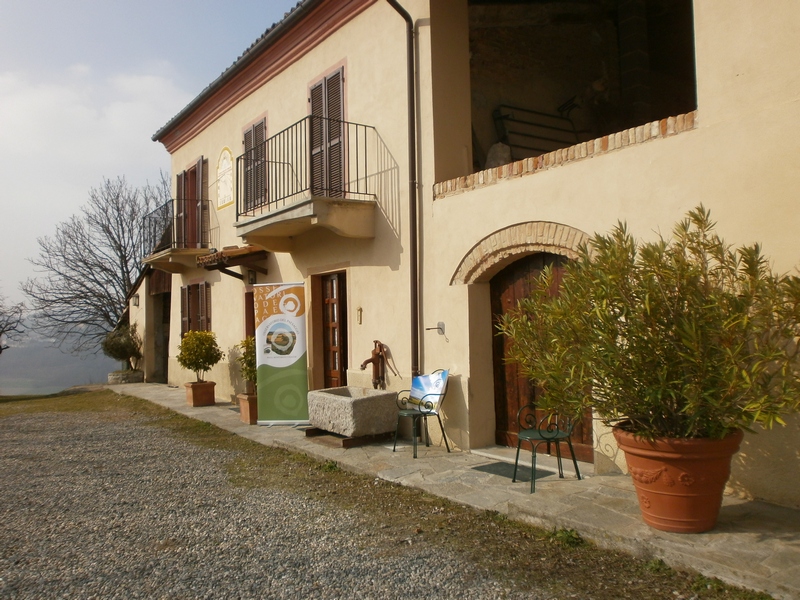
283	392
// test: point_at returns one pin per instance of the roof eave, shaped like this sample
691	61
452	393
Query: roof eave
267	40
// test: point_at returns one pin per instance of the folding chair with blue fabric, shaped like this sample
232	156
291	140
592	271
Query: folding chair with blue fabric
423	400
550	429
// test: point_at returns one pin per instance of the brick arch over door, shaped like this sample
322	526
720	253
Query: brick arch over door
499	249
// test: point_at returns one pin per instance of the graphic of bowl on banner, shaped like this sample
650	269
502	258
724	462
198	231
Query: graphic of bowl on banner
281	338
281	353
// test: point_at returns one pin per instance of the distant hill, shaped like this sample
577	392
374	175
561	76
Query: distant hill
36	368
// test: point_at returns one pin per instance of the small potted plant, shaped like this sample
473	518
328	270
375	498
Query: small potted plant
198	352
678	344
248	401
125	345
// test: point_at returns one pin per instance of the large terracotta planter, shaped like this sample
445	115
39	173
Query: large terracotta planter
248	408
679	482
200	393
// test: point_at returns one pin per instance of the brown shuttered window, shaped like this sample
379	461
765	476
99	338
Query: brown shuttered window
180	210
255	165
184	310
203	205
327	152
191	207
196	307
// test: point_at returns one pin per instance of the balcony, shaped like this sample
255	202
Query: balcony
176	233
316	173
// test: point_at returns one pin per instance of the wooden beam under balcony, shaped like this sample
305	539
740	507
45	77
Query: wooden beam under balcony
249	256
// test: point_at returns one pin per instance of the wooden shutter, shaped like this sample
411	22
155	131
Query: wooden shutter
204	306
334	111
255	165
317	138
248	170
260	155
203	218
184	310
326	136
180	210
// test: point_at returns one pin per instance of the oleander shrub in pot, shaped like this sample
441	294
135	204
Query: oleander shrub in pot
675	343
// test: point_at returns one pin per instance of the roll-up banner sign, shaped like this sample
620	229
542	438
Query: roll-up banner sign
281	354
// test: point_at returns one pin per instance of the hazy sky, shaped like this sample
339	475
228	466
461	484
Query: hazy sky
84	84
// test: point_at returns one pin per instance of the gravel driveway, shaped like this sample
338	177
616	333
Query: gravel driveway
99	508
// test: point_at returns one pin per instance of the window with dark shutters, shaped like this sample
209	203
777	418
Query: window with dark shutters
202	204
204	301
184	310
255	166
196	307
180	208
326	136
192	218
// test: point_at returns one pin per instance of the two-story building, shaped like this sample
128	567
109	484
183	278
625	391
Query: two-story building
413	163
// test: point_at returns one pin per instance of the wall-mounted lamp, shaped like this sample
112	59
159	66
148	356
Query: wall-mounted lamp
135	299
251	277
439	329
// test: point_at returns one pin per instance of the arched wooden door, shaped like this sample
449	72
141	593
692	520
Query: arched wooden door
511	390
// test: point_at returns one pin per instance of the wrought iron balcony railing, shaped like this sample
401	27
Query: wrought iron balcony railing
315	157
157	226
177	224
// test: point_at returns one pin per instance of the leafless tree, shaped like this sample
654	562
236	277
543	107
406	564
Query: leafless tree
10	322
90	264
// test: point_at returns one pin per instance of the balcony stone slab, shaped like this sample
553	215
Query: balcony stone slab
274	229
175	260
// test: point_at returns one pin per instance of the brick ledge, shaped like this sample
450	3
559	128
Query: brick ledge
603	145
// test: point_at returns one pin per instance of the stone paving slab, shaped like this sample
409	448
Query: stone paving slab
755	545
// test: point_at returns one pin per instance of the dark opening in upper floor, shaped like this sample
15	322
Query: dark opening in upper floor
549	74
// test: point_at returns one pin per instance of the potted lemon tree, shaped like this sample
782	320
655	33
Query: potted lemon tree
680	344
248	401
198	352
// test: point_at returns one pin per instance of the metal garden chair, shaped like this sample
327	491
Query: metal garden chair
550	429
423	400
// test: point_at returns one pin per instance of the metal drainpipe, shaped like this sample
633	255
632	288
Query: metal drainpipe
412	187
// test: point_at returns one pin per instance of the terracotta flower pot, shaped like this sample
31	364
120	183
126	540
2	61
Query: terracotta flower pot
679	482
200	393
248	408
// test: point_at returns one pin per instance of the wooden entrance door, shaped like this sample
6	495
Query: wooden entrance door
512	390
334	329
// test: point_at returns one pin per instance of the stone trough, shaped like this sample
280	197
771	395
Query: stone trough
353	411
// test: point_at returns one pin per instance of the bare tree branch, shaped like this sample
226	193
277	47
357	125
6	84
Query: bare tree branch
89	265
10	322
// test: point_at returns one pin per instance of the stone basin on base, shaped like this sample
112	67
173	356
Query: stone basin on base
353	411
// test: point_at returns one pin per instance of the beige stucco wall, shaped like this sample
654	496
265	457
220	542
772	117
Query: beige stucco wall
739	159
143	317
376	269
